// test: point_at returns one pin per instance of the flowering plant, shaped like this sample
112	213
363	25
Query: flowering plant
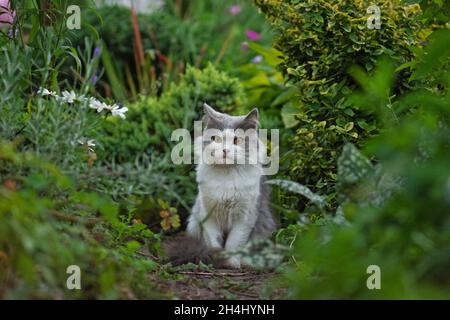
71	97
6	14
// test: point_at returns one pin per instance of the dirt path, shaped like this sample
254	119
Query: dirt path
220	284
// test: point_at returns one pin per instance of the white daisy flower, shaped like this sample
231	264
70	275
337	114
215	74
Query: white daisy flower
69	97
46	92
98	105
117	111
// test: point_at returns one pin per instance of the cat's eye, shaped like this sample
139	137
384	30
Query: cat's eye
237	140
216	139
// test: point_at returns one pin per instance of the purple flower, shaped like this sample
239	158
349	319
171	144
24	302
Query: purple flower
6	15
97	51
257	59
244	46
235	9
253	35
94	79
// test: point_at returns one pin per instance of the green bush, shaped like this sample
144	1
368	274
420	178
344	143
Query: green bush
320	40
47	225
393	213
150	122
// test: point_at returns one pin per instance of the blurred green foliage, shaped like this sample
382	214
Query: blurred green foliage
179	34
396	211
47	225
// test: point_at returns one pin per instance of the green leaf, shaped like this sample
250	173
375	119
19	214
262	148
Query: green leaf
110	68
436	53
288	113
271	55
133	245
349	126
295	187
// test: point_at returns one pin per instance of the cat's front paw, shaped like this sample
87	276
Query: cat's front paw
233	263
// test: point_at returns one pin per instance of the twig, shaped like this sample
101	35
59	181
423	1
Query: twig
148	255
201	273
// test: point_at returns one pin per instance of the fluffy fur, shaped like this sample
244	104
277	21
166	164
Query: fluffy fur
231	207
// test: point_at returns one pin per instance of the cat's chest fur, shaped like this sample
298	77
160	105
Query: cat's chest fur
228	192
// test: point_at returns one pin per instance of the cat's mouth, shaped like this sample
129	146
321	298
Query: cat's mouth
224	161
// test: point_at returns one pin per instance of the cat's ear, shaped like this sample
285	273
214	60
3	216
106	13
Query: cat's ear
212	118
210	112
252	119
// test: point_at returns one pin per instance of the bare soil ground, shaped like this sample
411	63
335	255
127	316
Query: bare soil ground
219	284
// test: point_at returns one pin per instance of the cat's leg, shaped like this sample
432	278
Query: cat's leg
193	226
238	237
212	234
202	226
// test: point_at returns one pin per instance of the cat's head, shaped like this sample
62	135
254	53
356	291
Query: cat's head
230	140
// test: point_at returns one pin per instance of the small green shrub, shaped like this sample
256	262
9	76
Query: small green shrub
320	40
150	122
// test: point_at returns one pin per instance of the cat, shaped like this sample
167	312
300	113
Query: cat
232	205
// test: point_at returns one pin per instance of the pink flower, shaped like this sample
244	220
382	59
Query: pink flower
253	35
6	15
235	9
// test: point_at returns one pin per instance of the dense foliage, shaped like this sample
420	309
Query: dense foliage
398	209
167	40
152	120
393	212
320	41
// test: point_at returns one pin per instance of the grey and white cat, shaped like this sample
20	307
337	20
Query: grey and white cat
232	205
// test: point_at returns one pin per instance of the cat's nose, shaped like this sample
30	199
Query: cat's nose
225	152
